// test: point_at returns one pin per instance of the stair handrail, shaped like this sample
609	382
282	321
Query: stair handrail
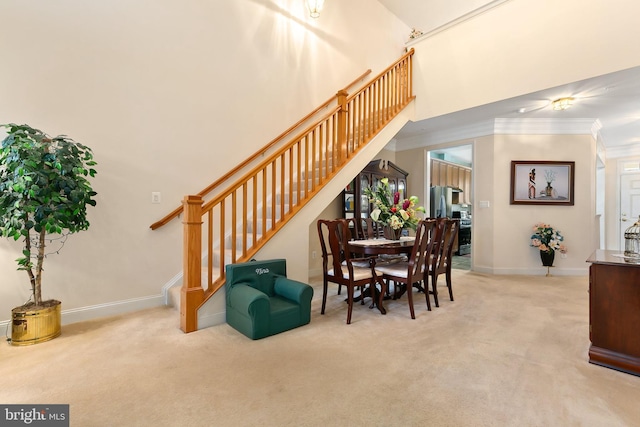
176	212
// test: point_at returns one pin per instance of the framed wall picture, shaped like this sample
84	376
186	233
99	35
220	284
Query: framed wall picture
542	183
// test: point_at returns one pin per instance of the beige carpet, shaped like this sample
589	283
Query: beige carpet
510	351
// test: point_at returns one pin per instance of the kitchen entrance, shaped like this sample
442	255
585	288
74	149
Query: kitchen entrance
450	194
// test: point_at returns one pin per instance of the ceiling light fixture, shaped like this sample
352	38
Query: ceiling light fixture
562	103
315	7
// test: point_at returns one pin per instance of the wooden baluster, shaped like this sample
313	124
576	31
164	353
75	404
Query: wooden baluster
191	294
342	127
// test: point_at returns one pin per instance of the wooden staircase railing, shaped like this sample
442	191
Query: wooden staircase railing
241	219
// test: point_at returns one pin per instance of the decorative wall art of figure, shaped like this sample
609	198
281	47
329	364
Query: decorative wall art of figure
532	184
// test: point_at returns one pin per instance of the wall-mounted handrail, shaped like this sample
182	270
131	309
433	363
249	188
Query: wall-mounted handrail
174	213
240	219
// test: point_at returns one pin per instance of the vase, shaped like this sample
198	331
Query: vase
547	258
549	190
392	234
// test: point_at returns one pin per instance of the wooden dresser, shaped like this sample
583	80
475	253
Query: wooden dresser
614	312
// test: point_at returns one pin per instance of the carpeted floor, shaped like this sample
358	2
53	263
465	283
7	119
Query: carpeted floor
510	351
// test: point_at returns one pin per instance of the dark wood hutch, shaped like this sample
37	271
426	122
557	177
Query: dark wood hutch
355	203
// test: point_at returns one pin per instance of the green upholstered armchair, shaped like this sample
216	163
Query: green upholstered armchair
261	301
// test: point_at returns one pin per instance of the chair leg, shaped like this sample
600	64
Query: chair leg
449	284
350	302
426	294
324	296
395	289
410	299
399	289
339	289
434	289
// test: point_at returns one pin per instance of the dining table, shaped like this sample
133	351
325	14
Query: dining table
376	249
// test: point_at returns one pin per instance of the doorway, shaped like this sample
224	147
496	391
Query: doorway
449	171
629	203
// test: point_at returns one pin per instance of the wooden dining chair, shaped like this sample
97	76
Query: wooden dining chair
338	264
415	270
370	228
355	228
446	235
356	232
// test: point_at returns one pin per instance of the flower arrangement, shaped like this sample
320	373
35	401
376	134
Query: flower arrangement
546	239
549	176
390	210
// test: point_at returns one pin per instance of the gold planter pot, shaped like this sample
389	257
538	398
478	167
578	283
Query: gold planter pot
35	325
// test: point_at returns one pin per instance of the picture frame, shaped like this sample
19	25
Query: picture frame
537	182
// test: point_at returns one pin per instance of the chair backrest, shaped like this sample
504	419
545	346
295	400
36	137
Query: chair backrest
334	238
422	250
260	275
355	229
438	244
331	234
370	228
447	235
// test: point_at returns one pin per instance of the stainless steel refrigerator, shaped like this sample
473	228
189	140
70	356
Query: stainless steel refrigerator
441	202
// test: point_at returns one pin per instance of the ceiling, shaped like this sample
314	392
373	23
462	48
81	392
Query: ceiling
427	15
612	99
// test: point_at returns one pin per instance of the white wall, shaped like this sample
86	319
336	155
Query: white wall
501	231
170	95
523	46
519	47
513	224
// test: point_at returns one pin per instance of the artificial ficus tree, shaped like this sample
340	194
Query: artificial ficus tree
44	191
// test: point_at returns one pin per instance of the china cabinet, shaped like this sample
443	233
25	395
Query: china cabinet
355	203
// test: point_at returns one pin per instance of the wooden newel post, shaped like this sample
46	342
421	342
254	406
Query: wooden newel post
342	126
192	293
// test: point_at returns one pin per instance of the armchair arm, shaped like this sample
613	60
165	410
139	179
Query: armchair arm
293	290
245	299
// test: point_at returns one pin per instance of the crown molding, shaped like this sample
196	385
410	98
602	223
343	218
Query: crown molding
595	130
457	21
458	133
500	127
623	151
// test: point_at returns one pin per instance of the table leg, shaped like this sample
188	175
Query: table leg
383	291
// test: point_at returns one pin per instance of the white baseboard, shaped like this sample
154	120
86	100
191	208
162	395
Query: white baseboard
115	308
538	271
110	309
212	319
174	281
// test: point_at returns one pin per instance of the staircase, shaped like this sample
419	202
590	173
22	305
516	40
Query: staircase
251	203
